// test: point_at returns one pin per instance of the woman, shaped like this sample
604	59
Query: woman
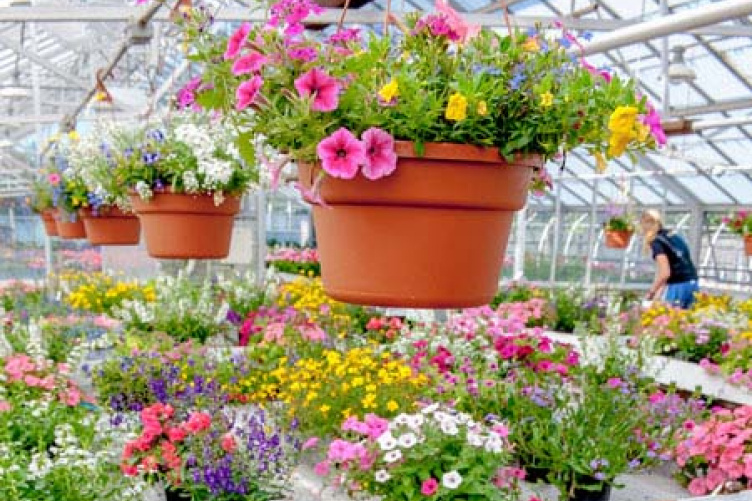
674	268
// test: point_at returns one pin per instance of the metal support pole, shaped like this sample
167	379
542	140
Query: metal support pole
557	235
260	237
518	271
12	224
695	233
666	104
591	235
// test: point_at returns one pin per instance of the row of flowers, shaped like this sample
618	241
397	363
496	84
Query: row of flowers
320	370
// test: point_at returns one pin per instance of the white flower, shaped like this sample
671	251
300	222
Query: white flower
449	428
430	409
451	480
494	443
392	456
407	440
387	441
402	419
474	439
382	476
415	421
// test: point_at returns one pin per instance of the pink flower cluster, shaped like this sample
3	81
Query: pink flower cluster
342	154
388	327
345	453
718	450
270	325
43	375
293	255
156	449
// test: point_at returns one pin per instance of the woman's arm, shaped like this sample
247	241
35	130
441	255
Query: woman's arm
662	273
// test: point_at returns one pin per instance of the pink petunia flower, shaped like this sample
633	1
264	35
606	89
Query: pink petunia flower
247	92
341	154
324	89
236	41
653	120
381	159
4	406
429	487
321	469
310	443
54	179
456	23
250	63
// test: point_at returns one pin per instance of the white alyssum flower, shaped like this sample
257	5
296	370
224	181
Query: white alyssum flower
381	476
407	440
386	441
393	456
451	480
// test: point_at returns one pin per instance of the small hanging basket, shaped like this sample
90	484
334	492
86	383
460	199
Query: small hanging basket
48	219
181	226
618	239
69	226
111	226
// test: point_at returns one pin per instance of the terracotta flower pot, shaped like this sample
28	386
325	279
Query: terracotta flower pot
748	245
69	226
431	235
180	226
618	239
48	218
111	226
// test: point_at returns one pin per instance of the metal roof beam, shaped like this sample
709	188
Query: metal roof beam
72	13
36	58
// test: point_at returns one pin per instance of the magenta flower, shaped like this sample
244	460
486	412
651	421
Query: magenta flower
381	159
429	487
250	63
458	25
236	41
247	92
341	154
324	89
653	120
306	54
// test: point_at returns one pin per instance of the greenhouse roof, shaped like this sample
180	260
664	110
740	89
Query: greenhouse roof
51	50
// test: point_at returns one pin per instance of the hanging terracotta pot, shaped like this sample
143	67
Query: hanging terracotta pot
618	239
748	245
111	226
431	235
180	226
69	226
48	218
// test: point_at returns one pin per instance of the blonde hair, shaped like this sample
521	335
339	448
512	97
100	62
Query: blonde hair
651	222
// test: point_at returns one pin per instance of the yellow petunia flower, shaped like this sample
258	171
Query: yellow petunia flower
456	109
643	132
622	120
389	91
547	100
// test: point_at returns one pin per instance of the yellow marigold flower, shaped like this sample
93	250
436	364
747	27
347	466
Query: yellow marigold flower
389	91
324	409
622	120
600	162
547	100
368	401
482	108
531	44
456	108
392	406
